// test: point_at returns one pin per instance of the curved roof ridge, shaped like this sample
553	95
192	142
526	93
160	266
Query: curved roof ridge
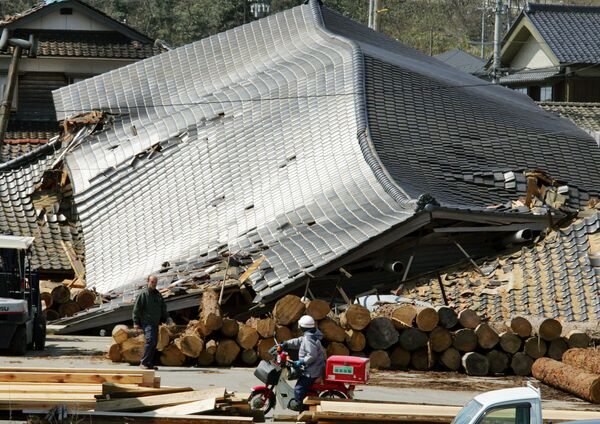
364	134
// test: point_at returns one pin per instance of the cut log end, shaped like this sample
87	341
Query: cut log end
550	329
379	359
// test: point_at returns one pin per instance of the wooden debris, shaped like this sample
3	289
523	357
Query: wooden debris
210	313
155	401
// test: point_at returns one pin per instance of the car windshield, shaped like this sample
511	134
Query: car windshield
466	414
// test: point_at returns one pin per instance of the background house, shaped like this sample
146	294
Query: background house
76	41
552	53
464	61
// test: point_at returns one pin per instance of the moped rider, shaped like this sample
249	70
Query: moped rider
311	356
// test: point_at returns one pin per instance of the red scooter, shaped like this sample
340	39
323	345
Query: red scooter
342	374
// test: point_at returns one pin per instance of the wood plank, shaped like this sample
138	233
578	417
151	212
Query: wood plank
365	409
49	377
343	416
565	415
116	390
149	418
79	405
189	408
93	389
149	402
125	371
20	397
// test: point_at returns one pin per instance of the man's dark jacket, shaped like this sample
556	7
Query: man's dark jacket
149	308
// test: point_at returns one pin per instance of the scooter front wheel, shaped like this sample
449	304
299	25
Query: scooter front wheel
262	400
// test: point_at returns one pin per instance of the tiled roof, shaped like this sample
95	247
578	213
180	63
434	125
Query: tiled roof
302	137
529	76
95	44
584	115
572	32
559	276
464	61
21	215
11	150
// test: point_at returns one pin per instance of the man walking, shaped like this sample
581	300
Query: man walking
149	311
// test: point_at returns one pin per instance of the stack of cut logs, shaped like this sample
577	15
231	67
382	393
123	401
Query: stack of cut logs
65	302
396	337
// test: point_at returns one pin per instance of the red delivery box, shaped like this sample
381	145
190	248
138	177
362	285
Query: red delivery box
347	369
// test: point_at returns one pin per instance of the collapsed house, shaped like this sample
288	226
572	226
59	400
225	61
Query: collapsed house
327	155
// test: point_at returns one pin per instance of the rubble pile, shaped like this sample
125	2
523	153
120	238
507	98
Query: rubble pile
399	336
558	275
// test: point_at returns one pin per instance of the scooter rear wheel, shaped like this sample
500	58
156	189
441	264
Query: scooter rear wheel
261	400
333	394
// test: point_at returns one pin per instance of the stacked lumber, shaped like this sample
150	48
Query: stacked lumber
395	337
66	299
578	373
176	402
338	410
44	388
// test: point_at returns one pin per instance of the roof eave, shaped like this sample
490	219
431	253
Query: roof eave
415	222
87	10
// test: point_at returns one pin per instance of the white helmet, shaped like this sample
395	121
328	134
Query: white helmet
306	321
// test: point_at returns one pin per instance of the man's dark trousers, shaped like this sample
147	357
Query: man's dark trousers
150	342
302	387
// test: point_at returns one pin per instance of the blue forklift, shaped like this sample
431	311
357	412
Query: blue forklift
22	322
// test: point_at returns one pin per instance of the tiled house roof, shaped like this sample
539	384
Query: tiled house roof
34	121
91	44
571	32
464	61
584	115
304	137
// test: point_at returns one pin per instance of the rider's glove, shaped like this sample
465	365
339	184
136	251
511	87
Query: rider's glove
298	363
283	345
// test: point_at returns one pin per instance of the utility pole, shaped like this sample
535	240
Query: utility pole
374	9
483	10
13	70
497	41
